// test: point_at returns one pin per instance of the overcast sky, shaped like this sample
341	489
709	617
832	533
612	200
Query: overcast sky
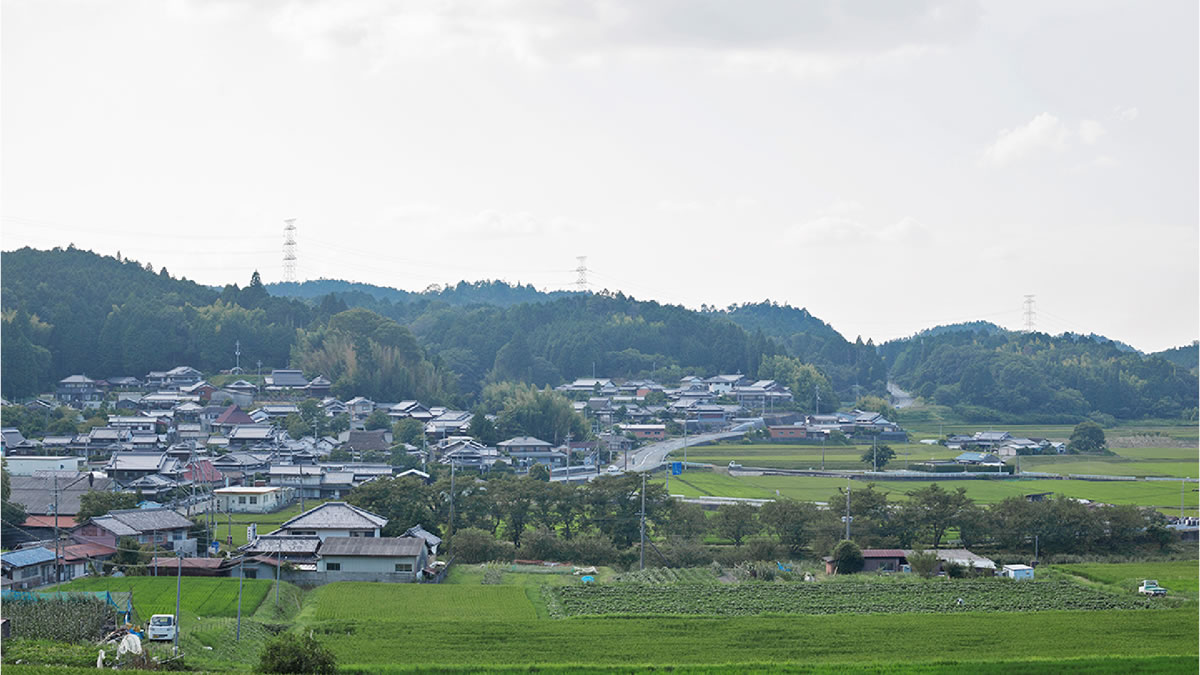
888	165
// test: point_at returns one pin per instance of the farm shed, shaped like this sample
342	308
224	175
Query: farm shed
1017	572
27	567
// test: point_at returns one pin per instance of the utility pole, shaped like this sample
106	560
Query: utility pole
58	565
817	391
684	441
278	565
875	453
154	543
178	590
642	560
1182	485
824	435
241	579
847	517
450	529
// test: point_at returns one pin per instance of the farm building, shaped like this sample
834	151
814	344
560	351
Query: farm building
896	560
27	568
27	466
1018	572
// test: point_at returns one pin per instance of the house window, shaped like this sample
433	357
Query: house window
333	567
362	533
241	500
403	567
177	535
254	500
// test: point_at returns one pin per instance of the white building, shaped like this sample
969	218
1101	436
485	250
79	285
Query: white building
27	465
241	499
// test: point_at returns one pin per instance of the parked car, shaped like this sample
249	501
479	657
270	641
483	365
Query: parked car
162	627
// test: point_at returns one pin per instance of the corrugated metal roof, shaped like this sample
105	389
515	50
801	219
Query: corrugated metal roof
372	546
27	556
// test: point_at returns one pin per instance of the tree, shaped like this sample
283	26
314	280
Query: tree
378	420
540	472
403	501
923	563
408	430
292	653
935	510
847	558
97	503
736	521
879	456
129	556
1087	437
685	520
792	521
483	429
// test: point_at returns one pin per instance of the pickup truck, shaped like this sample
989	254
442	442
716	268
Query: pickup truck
1150	587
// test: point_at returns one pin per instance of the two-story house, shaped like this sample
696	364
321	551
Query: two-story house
334	519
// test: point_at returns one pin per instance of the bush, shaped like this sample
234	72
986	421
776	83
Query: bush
591	550
847	557
761	548
541	544
923	563
473	545
291	653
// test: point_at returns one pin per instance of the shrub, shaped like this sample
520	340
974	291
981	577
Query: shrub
291	653
847	557
541	544
591	550
924	563
473	545
761	548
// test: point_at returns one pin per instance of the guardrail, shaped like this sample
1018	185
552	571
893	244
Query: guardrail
1085	476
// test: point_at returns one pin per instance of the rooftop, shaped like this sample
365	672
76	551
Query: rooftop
373	546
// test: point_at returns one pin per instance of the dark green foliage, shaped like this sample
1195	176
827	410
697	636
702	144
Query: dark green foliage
878	456
473	545
736	522
1036	377
539	472
923	563
847	558
292	653
1087	437
97	503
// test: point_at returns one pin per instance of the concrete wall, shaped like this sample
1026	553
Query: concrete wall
25	466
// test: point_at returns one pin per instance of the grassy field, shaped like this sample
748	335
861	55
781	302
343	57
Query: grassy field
388	602
210	597
1181	578
1163	495
834	639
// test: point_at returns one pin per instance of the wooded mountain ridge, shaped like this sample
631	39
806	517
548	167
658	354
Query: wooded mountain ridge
69	311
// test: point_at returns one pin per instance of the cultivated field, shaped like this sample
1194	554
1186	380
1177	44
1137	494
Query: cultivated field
1163	495
850	596
214	597
1181	577
406	602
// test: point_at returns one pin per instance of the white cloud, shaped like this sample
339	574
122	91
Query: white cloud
1043	133
1090	131
834	229
1127	114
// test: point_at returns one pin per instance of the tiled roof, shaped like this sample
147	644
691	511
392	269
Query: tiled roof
335	515
372	546
233	415
282	544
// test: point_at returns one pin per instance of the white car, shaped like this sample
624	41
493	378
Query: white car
161	627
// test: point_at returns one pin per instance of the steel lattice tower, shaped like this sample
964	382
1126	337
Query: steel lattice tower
289	250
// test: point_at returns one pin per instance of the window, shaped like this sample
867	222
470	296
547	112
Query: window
403	567
333	567
241	500
254	500
362	533
177	535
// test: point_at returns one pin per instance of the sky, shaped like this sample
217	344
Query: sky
888	165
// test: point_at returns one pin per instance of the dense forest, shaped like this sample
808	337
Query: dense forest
998	375
68	311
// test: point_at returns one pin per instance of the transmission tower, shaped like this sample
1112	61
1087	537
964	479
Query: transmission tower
581	282
289	250
1029	314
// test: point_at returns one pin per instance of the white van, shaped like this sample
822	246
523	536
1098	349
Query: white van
162	627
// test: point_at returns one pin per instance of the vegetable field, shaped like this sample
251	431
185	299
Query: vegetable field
200	596
842	597
418	602
669	575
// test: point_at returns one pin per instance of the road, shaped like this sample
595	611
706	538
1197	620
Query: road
900	398
650	457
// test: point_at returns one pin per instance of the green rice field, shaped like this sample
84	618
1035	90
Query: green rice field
1181	577
1163	495
387	602
200	596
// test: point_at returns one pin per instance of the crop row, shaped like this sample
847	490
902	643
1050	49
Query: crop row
668	575
968	595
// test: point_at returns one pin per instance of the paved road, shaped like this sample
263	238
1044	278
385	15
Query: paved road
650	457
900	398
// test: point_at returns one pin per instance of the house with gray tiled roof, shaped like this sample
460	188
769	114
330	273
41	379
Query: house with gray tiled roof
334	519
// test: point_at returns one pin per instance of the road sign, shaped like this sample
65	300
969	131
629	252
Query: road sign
676	468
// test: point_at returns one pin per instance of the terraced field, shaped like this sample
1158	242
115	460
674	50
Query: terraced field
213	597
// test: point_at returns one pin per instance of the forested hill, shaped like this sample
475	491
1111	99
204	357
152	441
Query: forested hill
496	293
69	311
1034	376
1186	356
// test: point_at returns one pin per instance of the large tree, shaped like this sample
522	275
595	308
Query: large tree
1087	437
935	510
736	522
97	503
